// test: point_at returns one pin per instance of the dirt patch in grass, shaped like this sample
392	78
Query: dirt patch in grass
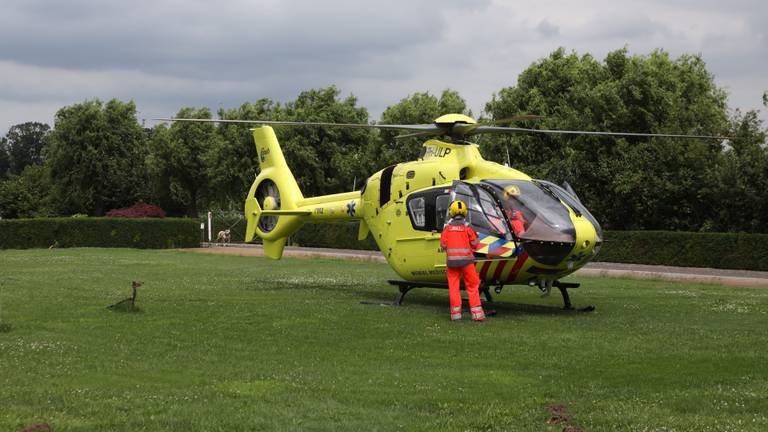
296	252
39	427
559	416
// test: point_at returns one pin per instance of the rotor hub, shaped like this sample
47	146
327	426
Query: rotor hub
269	203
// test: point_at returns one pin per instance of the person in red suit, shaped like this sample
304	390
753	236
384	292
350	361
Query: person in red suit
517	222
459	241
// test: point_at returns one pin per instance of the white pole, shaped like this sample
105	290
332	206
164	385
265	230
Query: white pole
209	227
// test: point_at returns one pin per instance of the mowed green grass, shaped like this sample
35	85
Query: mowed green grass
239	343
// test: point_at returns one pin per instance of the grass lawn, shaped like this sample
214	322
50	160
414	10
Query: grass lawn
229	343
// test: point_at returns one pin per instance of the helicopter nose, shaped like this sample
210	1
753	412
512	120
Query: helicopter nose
587	240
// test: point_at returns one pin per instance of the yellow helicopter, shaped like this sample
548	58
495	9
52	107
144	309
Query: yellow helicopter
533	232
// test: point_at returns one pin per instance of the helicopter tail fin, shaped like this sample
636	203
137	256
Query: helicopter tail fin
275	207
271	208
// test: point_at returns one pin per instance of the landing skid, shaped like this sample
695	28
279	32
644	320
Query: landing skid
405	286
563	287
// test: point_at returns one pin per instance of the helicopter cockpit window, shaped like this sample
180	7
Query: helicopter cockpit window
416	207
484	215
442	202
427	209
574	203
546	218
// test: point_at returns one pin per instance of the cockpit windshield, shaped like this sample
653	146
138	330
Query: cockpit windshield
574	203
484	214
538	211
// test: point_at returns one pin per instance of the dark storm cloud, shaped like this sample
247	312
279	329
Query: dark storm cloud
204	40
547	29
166	54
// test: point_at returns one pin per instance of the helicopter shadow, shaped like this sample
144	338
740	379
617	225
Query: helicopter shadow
491	307
421	298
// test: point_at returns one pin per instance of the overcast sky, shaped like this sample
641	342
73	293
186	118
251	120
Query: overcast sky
166	54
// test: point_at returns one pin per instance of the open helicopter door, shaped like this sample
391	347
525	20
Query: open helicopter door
487	219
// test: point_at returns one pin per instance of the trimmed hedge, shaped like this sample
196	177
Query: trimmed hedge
687	249
683	249
148	233
332	235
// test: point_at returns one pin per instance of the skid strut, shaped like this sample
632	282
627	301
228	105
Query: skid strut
405	286
563	287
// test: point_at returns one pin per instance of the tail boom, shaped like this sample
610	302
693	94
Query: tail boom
275	207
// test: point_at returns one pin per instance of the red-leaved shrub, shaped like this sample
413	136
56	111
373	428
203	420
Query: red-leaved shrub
138	210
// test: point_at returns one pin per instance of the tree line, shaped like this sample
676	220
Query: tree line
99	157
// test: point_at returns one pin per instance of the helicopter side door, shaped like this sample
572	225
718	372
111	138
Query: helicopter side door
427	211
484	215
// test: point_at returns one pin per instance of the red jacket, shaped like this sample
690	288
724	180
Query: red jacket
458	241
517	222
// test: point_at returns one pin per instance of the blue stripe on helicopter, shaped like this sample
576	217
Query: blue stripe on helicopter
497	244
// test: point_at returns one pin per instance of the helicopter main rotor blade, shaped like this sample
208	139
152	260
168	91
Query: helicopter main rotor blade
512	130
421	128
420	134
462	129
456	129
520	117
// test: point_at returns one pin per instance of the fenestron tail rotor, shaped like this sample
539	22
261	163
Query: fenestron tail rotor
268	197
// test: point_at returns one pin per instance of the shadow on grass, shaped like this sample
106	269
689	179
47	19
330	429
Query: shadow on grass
5	327
442	303
125	306
384	296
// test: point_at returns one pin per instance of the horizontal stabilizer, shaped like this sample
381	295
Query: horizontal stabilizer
285	213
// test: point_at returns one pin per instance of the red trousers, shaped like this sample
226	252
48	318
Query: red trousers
471	284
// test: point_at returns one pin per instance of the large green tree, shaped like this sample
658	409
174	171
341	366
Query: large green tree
324	159
5	159
740	195
629	182
177	162
26	195
232	161
95	155
25	143
417	108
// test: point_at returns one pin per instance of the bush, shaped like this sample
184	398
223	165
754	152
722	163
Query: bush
332	235
99	232
138	210
687	249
